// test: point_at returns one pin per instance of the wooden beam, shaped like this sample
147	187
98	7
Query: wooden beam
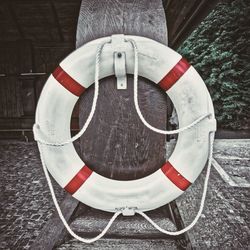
93	221
196	11
131	244
166	3
53	229
53	44
25	122
183	240
117	144
190	20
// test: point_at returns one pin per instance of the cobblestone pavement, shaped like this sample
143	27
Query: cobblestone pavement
24	196
225	221
26	204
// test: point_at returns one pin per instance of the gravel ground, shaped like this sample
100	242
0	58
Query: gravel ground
25	200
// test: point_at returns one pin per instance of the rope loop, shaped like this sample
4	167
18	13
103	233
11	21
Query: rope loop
38	136
202	203
165	132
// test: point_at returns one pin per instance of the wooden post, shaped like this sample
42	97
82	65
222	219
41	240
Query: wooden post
117	144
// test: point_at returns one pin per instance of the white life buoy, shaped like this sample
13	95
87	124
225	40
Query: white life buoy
175	76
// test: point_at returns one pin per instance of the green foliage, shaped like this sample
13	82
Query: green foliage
219	50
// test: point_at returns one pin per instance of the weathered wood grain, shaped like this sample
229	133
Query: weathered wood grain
93	222
121	244
117	144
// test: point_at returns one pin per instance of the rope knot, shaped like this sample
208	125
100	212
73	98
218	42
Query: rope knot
127	211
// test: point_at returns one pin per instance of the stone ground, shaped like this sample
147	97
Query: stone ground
25	200
26	204
225	221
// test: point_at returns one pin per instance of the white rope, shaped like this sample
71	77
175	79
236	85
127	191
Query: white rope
59	211
36	128
165	132
211	140
37	137
202	203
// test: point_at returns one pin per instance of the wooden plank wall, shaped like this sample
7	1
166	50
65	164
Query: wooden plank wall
183	16
19	93
15	58
34	37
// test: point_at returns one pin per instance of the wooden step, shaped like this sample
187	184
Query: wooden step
121	244
93	221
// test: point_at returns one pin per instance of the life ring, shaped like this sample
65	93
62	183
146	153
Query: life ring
175	76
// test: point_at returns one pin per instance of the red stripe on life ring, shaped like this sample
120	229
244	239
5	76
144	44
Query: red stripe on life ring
78	180
173	175
68	82
174	74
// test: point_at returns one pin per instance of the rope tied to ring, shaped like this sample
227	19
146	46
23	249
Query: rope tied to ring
38	136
